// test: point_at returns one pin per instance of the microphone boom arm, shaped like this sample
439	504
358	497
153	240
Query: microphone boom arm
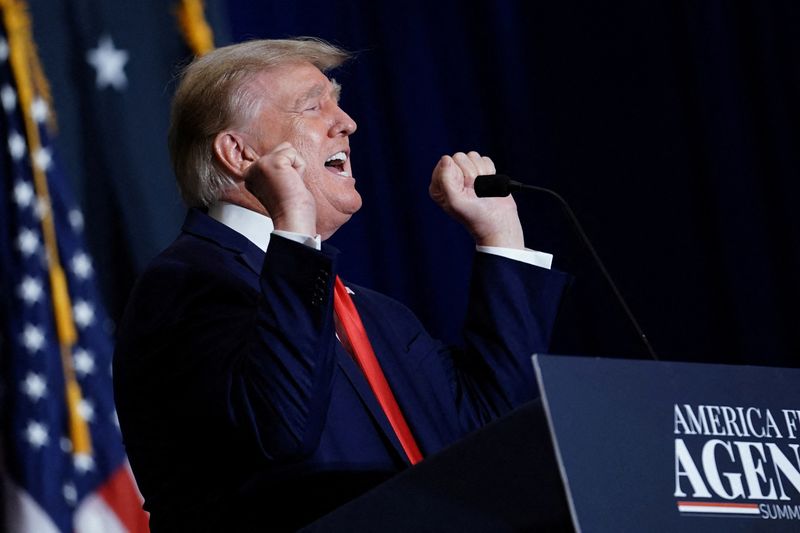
500	185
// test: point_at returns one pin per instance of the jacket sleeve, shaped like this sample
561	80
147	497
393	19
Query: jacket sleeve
282	382
511	314
454	389
212	357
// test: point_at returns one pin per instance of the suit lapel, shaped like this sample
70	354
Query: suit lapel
201	225
359	382
361	385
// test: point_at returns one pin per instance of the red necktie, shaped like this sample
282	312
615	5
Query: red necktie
362	352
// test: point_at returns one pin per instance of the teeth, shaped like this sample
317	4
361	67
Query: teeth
338	156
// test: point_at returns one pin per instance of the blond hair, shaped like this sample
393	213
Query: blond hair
213	95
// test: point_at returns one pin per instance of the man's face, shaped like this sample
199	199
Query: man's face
299	105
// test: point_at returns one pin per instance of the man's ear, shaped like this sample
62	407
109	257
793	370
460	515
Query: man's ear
233	153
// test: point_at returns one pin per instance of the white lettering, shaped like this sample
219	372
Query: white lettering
790	416
731	428
698	425
684	466
754	470
772	427
750	411
712	472
713	415
740	410
791	512
680	421
779	512
783	465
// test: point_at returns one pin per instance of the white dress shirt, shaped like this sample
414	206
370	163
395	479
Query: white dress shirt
257	228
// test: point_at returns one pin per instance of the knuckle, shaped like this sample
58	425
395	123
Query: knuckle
281	161
470	170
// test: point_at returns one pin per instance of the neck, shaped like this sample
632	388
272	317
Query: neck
240	196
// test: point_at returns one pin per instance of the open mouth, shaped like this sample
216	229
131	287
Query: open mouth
335	164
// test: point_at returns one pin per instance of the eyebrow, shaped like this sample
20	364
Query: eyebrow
318	90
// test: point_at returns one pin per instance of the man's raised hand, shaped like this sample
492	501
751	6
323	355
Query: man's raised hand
490	221
276	180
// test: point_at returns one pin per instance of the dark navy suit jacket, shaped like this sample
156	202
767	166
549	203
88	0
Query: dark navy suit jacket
238	405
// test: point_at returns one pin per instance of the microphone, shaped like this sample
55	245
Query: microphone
495	185
498	185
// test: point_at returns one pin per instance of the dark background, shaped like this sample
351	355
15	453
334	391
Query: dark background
671	127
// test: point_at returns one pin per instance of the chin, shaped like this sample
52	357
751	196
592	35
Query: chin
356	204
350	204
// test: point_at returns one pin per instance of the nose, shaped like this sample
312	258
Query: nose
343	124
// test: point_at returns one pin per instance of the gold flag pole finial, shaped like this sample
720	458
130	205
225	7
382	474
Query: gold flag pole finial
194	26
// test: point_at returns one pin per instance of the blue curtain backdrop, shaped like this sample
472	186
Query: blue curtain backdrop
672	127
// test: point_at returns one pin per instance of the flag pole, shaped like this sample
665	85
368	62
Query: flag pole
30	80
194	26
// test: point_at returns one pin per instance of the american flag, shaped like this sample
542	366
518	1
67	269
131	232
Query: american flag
56	478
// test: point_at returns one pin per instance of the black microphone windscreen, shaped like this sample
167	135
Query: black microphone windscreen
492	185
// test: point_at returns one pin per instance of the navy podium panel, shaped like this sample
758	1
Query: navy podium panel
501	479
656	446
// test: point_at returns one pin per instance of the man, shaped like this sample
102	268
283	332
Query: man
242	395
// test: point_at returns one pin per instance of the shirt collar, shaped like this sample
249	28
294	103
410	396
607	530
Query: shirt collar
254	226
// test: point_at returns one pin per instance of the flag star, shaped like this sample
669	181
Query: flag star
86	410
115	418
30	290
43	159
16	145
81	265
39	110
28	242
83	313
34	386
66	444
3	49
36	434
32	338
76	219
83	462
8	97
83	362
70	493
23	193
109	62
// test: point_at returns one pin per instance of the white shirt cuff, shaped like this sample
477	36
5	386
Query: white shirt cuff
531	257
312	242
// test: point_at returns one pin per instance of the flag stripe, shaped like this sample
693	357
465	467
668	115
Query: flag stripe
718	508
23	513
56	474
121	495
95	516
718	504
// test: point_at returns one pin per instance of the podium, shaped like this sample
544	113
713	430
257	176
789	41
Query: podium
612	445
490	481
